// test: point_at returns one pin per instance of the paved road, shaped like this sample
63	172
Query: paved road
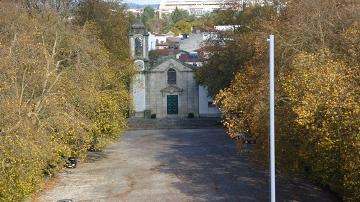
173	165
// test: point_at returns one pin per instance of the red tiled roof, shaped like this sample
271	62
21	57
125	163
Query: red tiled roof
185	57
165	52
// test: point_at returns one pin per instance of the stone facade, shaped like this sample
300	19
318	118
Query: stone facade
158	89
167	89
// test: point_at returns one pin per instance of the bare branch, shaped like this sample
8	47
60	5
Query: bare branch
56	80
23	86
13	43
55	45
16	126
57	66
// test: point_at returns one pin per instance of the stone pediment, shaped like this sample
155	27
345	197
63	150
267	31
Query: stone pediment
172	63
172	89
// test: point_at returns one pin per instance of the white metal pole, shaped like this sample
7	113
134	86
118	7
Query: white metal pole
272	116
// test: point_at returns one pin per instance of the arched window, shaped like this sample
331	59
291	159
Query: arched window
171	76
138	47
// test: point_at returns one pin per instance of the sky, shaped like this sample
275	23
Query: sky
143	1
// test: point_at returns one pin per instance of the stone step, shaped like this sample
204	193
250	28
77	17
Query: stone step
169	123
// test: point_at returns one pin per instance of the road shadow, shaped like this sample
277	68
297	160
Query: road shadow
173	123
210	169
93	156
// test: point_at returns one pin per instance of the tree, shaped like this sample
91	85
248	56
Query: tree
231	51
330	116
111	20
179	14
147	15
63	7
176	16
317	88
181	27
61	94
152	20
156	24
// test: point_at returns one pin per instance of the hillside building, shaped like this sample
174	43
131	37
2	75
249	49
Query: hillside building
194	7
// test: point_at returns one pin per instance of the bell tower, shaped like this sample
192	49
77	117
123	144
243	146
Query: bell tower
139	41
139	50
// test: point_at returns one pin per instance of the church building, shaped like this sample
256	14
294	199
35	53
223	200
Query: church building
166	88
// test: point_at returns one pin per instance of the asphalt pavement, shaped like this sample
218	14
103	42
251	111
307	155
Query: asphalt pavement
174	165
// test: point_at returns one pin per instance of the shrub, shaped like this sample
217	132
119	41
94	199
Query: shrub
153	116
317	93
60	95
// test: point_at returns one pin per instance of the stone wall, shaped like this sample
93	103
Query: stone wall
188	100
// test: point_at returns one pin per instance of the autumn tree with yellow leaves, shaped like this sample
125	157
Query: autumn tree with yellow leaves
63	91
317	89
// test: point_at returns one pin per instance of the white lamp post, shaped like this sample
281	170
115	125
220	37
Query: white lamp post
272	114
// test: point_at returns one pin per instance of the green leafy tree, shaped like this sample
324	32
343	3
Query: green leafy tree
179	14
147	15
176	16
231	51
181	27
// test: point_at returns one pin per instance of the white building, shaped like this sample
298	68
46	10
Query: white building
135	11
152	42
226	28
201	7
194	7
207	108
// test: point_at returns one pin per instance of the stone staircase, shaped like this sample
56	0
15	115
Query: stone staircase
173	123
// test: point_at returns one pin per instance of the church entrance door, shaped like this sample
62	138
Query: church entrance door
172	104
